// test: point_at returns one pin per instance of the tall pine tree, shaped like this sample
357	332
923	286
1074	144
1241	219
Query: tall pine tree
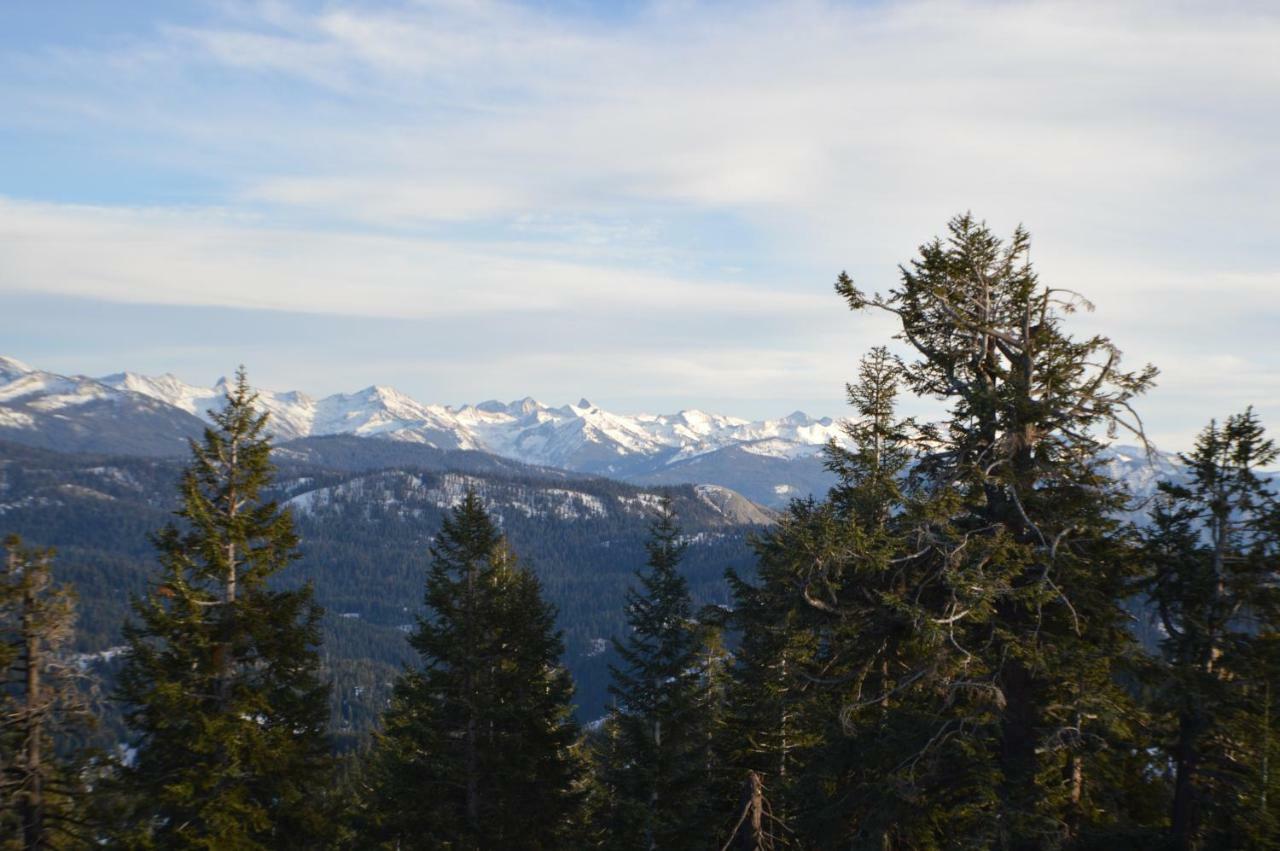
660	776
477	749
220	686
1021	567
1214	555
779	720
825	671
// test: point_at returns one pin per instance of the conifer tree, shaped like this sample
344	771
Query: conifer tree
1019	564
861	586
778	720
660	775
477	749
220	686
1214	553
43	710
828	613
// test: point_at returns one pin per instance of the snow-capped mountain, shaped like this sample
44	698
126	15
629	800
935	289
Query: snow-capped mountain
768	461
75	413
580	437
129	412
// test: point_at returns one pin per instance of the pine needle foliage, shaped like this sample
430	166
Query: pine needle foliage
660	773
1020	565
957	601
221	686
1214	554
478	748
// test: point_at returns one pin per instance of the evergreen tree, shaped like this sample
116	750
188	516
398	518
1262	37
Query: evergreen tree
1214	552
660	773
1018	565
778	720
822	696
220	685
478	747
43	710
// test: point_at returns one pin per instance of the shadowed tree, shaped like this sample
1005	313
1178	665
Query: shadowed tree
1214	554
43	710
660	771
477	749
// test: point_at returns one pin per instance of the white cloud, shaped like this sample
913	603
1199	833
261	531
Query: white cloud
219	258
449	158
453	110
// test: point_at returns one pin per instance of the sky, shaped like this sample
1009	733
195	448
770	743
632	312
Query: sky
641	203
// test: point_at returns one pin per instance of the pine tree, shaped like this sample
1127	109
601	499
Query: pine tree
825	669
778	719
862	585
43	710
477	749
220	686
1214	552
660	774
1021	567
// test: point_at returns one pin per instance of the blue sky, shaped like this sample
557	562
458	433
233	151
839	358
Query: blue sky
643	203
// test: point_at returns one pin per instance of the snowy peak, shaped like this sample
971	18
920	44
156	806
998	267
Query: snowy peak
167	388
581	437
768	461
11	368
46	391
77	413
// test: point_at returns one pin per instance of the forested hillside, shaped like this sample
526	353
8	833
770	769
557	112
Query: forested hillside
365	535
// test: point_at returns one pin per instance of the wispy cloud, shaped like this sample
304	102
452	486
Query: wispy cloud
220	258
448	158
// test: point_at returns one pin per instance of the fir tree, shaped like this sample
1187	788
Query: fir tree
1214	552
778	721
478	746
1018	564
825	670
660	772
43	710
220	686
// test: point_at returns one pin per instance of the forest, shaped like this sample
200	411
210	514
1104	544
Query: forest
940	652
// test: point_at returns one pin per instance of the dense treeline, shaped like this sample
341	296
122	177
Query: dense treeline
938	653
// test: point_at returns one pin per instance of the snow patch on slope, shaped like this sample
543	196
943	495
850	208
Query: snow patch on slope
407	494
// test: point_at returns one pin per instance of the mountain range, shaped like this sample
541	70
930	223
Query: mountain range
769	461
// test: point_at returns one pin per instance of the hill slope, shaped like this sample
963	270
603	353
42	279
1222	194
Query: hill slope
365	540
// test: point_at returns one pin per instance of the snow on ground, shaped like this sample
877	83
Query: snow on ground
16	419
408	493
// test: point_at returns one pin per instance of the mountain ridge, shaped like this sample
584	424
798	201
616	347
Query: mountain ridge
767	461
581	437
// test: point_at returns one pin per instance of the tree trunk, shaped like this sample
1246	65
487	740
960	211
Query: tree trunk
1266	747
1075	814
751	833
472	759
651	839
1185	759
223	653
33	800
1018	756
